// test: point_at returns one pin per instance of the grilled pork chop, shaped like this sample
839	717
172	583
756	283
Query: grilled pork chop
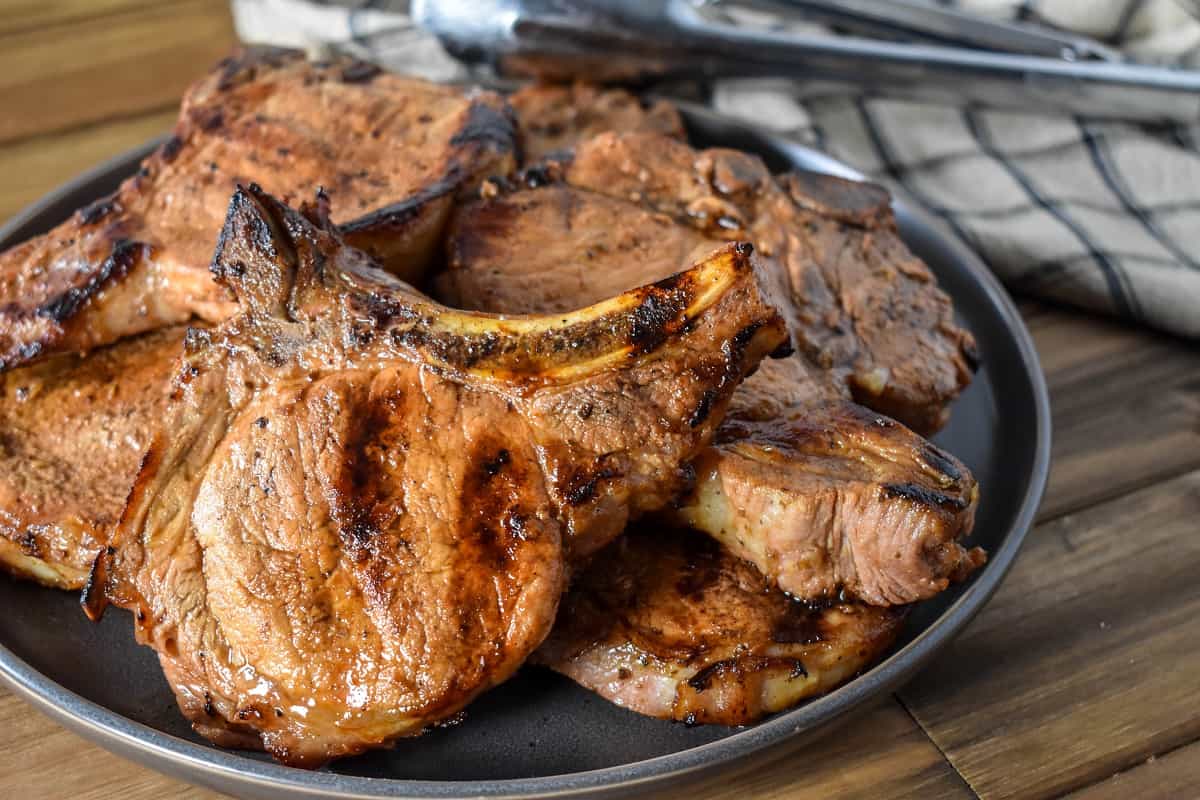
393	151
72	432
801	481
862	306
666	623
554	118
356	515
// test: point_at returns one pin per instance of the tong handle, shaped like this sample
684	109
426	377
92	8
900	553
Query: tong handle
914	19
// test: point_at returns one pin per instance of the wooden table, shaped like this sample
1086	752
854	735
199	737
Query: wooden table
1082	676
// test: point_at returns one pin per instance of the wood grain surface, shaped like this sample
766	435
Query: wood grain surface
1083	674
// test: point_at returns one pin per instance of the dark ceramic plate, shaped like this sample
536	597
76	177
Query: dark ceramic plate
539	734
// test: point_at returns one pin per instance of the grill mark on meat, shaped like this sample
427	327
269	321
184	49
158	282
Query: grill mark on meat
356	489
397	215
941	461
739	668
927	497
120	260
492	496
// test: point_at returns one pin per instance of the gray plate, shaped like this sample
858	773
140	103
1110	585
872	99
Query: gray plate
539	734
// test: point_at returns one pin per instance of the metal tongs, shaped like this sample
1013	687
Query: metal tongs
941	54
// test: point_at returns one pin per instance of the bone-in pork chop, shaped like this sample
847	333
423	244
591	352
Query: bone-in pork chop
820	494
392	151
72	432
357	512
861	305
666	623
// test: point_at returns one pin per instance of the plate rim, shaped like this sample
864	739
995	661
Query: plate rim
226	769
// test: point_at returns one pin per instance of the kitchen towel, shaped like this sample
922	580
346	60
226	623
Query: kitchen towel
1099	214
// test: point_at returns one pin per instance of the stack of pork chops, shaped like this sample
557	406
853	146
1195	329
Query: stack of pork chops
363	392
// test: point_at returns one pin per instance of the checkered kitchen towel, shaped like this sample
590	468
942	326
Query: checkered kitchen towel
1099	214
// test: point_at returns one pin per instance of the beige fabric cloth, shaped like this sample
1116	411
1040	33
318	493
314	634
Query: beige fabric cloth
1097	214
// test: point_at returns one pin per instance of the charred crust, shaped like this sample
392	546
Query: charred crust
923	496
547	173
209	709
584	487
703	408
399	215
360	72
486	125
744	249
651	320
492	467
98	210
741	340
123	256
170	149
93	597
785	350
210	119
971	354
243	67
703	679
941	461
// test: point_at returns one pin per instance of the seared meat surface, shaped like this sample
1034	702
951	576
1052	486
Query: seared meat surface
72	432
554	118
392	151
668	624
357	512
862	307
820	494
836	499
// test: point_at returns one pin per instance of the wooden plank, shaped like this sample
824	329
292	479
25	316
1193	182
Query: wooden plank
71	75
39	760
880	753
1175	775
29	15
35	166
1085	662
1125	403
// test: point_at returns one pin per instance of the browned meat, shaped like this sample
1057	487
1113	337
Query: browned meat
554	118
834	498
862	306
668	624
355	515
821	495
395	147
72	432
